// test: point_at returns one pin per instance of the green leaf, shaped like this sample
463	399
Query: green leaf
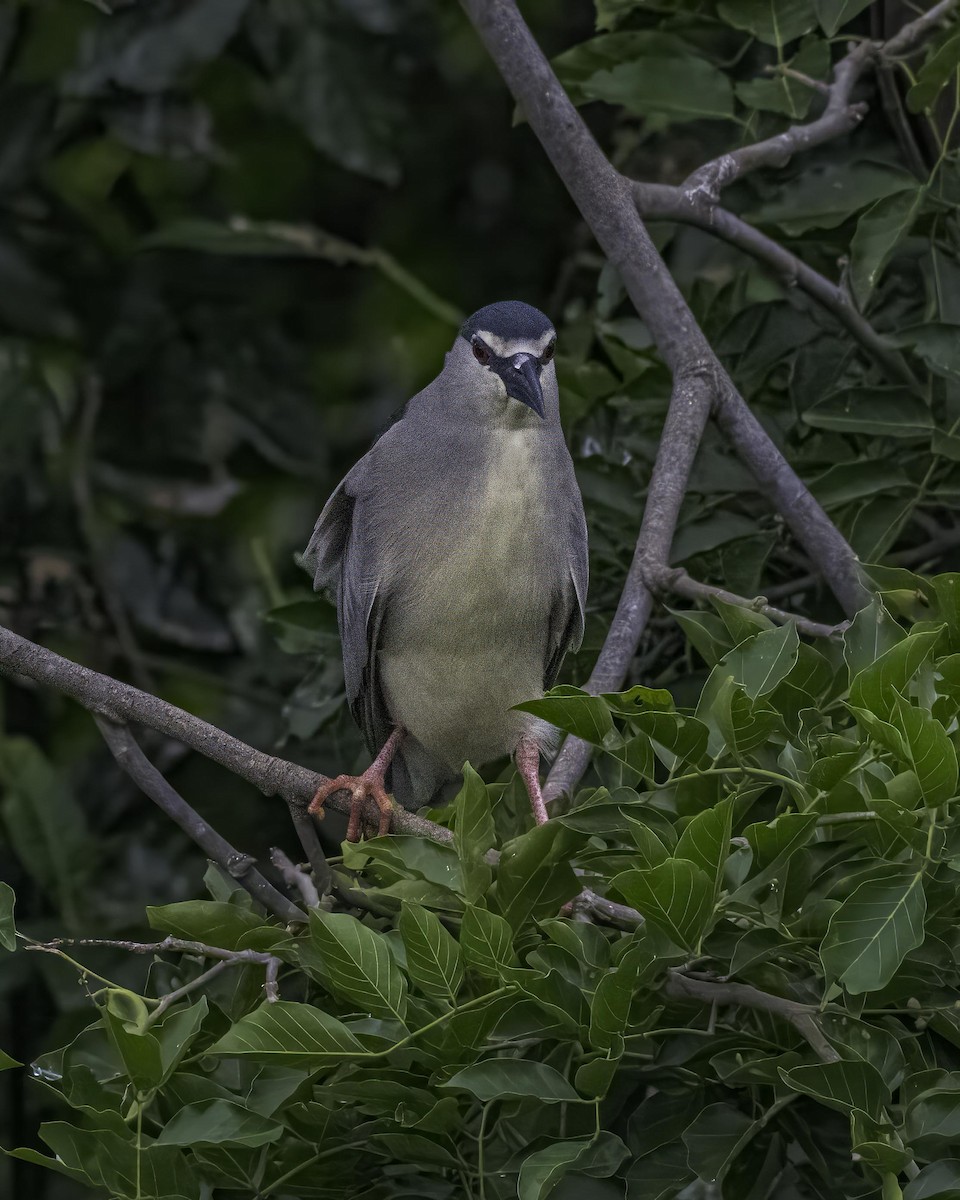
763	661
673	89
937	1181
843	1086
872	931
705	840
610	1006
785	93
938	345
832	14
773	845
880	231
474	834
7	1063
928	751
581	62
775	22
534	878
112	1162
946	588
574	711
875	686
714	1137
322	88
598	1157
676	897
218	1122
290	1034
355	963
825	196
433	956
51	840
639	699
486	941
935	74
887	412
871	633
8	930
512	1079
217	923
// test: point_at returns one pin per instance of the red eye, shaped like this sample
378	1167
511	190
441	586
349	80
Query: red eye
549	352
480	352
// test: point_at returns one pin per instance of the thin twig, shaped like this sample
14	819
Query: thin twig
295	878
133	762
270	962
803	1017
658	202
839	116
675	579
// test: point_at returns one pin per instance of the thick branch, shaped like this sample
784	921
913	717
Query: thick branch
659	202
132	760
123	704
803	1017
687	416
605	199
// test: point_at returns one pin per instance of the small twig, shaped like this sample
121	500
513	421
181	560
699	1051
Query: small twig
133	762
312	848
843	818
201	980
658	202
661	579
816	85
270	962
803	1017
915	31
295	878
607	911
839	116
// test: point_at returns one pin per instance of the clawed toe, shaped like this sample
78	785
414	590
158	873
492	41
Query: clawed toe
361	788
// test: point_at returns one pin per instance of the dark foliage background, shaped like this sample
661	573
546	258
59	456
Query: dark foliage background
236	235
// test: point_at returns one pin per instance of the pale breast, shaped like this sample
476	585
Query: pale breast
469	640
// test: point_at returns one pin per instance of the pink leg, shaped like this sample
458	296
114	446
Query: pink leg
528	764
369	784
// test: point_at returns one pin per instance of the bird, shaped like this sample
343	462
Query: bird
456	552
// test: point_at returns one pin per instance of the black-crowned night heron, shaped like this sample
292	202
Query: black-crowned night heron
457	551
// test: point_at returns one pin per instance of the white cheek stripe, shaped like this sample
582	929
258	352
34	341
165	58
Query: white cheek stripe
508	347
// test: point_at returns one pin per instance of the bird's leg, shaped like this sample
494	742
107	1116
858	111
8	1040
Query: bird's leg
528	764
361	787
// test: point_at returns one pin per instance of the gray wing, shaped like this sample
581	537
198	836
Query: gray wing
342	558
565	630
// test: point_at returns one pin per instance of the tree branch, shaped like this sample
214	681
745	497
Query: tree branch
123	704
181	946
605	199
133	762
839	116
295	878
674	579
660	202
683	428
803	1017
